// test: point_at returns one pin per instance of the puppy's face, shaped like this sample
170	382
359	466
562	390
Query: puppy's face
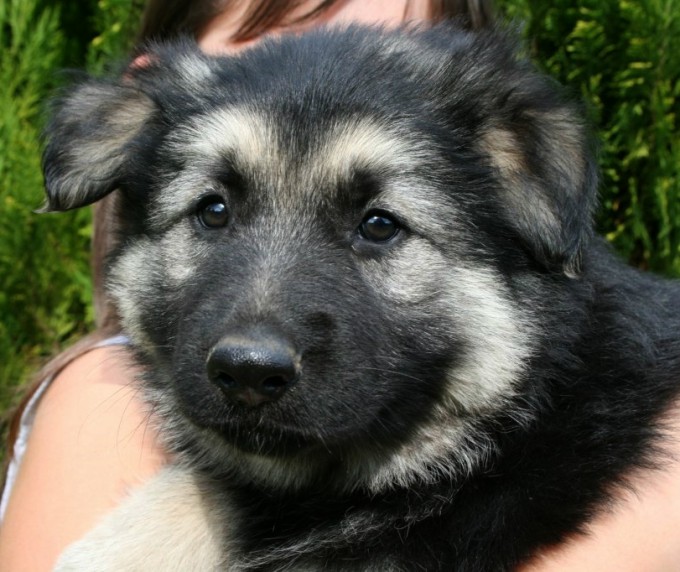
327	262
327	254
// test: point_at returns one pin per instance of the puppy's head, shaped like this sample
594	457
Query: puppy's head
325	238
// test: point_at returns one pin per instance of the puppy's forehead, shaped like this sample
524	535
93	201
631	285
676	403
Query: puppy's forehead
366	144
265	148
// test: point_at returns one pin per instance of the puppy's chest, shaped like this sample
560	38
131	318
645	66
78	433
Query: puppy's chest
394	533
314	535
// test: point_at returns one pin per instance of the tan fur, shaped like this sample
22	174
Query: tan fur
169	524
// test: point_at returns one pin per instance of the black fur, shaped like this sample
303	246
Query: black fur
510	169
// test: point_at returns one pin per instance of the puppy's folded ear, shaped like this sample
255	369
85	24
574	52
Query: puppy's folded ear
537	144
544	159
93	134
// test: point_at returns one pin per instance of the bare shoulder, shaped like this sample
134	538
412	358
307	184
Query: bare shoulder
642	529
90	444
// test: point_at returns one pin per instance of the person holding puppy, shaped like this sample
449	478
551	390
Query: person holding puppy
84	438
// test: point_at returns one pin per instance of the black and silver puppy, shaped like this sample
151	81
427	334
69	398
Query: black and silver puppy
359	270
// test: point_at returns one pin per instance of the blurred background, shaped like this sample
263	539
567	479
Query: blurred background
621	57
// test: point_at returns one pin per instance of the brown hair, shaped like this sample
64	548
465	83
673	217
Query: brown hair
168	18
165	19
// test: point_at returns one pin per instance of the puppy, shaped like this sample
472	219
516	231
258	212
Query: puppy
358	268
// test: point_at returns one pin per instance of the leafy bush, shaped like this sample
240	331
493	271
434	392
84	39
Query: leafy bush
623	59
45	286
116	23
43	261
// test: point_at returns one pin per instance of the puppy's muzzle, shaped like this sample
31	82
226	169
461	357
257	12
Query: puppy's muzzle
253	367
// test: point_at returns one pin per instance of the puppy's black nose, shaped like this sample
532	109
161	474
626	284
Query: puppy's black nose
253	368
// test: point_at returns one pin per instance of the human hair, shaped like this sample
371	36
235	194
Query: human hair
163	19
166	19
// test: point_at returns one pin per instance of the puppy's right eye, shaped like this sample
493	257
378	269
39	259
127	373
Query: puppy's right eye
212	212
378	227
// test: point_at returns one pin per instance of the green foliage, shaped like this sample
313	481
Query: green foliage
43	262
117	23
623	58
45	286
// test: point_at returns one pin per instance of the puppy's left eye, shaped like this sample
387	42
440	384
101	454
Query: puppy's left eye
378	227
212	212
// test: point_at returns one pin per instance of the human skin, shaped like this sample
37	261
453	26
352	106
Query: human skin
216	36
638	532
92	441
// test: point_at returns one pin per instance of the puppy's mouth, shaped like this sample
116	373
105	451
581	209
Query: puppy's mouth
271	440
253	430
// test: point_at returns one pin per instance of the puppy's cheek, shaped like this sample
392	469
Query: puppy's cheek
133	284
183	257
495	340
499	340
474	306
399	280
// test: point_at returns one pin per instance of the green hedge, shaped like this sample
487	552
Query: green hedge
621	57
45	286
44	294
